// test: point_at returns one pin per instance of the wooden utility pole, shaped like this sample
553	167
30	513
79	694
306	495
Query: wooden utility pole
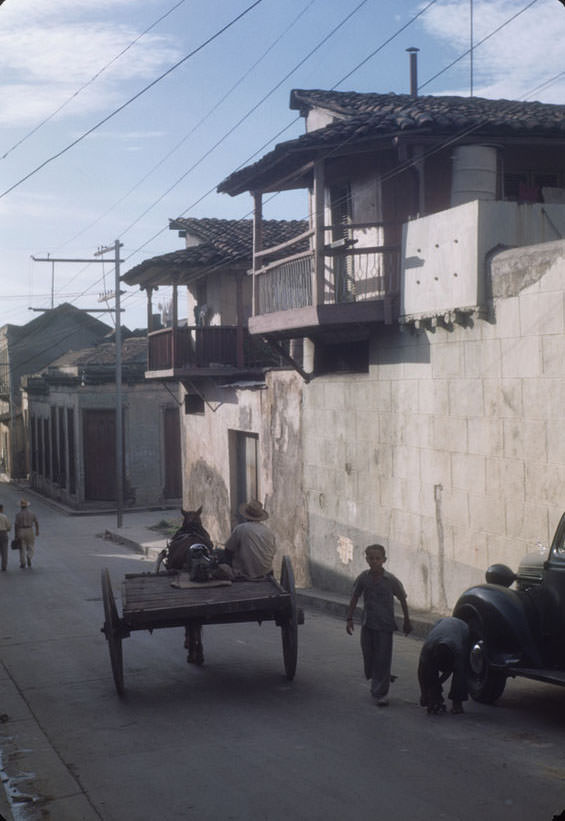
119	415
117	310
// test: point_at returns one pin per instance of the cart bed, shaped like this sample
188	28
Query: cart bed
150	601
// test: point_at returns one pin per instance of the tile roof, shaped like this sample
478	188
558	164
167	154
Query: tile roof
223	242
134	351
363	117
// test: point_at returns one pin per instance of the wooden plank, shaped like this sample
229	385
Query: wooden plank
274	249
150	602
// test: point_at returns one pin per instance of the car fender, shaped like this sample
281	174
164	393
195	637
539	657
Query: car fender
504	620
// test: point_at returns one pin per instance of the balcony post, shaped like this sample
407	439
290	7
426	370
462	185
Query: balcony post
257	244
319	219
174	323
149	292
239	353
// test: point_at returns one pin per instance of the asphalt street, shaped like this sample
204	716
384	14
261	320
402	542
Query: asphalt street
235	740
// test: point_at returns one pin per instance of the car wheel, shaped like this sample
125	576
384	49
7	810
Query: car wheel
485	684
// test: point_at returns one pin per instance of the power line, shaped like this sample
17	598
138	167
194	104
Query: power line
248	114
92	80
198	124
476	45
132	99
384	43
406	165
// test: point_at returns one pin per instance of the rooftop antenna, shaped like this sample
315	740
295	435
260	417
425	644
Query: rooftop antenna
471	46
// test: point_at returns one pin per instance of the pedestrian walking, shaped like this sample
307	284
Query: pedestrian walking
4	530
378	589
24	525
444	653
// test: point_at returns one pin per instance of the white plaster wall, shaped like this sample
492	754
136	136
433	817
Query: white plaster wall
274	414
450	451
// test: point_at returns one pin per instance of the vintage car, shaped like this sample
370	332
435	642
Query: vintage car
519	630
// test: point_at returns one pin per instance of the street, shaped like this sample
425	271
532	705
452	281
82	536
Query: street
234	740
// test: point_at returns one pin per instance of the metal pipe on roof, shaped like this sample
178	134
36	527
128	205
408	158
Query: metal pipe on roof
413	52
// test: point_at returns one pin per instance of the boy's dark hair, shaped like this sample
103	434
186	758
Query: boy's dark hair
378	547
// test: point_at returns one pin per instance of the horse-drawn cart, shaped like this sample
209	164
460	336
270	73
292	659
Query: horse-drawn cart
153	600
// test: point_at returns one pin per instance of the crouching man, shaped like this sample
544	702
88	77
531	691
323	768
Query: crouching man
444	653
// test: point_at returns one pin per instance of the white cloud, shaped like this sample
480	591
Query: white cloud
522	55
46	58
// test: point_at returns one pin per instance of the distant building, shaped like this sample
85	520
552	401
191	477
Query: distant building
27	349
71	413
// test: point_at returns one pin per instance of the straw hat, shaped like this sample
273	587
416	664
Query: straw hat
24	503
254	511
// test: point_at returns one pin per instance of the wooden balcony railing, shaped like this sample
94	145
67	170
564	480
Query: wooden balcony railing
215	346
350	273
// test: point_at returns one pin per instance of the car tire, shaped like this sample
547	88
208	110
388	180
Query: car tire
485	684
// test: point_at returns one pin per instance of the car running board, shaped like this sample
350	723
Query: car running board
538	674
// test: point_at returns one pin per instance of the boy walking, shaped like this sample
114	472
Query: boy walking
378	589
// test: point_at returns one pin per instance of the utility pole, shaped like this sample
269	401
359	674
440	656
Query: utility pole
117	310
119	417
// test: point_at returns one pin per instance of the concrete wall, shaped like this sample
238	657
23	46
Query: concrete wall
450	451
444	254
274	413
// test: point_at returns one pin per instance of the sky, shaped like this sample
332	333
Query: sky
116	115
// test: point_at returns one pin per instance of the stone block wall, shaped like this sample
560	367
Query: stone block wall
451	450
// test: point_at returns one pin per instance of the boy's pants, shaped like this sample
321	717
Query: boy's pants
376	646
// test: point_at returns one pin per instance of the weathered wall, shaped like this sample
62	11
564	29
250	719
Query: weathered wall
450	451
143	437
274	414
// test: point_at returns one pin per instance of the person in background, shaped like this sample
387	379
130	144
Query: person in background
4	530
24	526
444	653
251	547
378	589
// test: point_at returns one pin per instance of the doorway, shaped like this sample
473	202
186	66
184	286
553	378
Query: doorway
172	454
99	455
243	470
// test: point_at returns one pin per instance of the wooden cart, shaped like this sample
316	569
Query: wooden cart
150	601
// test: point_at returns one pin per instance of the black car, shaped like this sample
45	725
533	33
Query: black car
519	630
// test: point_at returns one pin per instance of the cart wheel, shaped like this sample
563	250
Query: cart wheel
289	628
112	632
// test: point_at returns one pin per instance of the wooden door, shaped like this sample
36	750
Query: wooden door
100	455
172	455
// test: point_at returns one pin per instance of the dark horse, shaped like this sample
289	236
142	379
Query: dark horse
191	532
176	556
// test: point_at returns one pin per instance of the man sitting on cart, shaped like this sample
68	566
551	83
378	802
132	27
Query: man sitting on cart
250	549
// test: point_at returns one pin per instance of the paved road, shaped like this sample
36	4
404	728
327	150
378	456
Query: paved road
235	741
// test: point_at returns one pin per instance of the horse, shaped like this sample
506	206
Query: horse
176	556
191	532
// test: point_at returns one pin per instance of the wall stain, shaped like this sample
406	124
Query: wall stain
441	548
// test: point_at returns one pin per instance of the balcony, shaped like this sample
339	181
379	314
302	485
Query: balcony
355	279
205	351
444	265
